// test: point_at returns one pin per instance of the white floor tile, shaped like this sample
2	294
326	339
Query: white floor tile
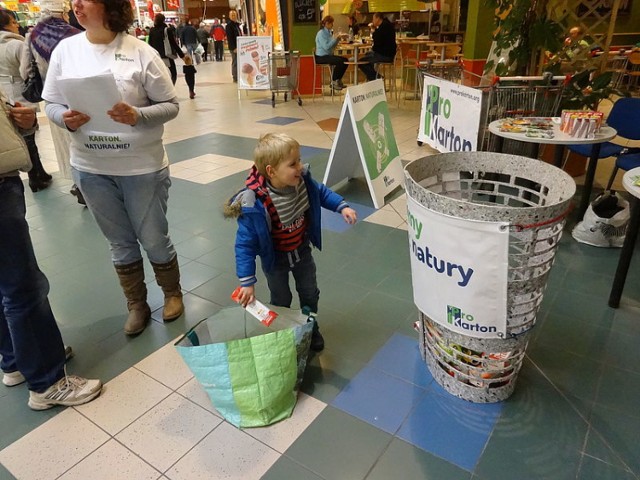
112	461
166	366
124	399
281	435
227	453
194	392
168	431
53	448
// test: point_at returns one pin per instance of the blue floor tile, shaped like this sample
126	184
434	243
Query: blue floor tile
335	223
280	120
400	357
379	399
451	428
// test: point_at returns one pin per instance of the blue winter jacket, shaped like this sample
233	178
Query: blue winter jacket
254	226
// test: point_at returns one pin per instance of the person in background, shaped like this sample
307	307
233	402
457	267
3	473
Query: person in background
384	46
218	34
325	43
52	28
12	49
124	177
278	214
189	37
156	40
353	25
189	71
203	38
31	345
179	30
233	32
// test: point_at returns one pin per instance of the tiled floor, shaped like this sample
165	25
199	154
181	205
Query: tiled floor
369	409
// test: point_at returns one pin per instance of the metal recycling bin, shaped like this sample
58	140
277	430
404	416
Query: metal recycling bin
483	232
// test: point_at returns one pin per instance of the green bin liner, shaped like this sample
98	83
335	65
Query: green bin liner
250	372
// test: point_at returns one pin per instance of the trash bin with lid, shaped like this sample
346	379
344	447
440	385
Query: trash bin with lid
483	231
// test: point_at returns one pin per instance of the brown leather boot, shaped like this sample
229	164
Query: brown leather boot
132	282
168	278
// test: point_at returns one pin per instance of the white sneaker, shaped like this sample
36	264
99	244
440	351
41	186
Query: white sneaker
12	379
16	378
336	86
68	391
600	228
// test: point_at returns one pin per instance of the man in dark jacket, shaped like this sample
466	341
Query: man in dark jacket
233	32
189	38
384	46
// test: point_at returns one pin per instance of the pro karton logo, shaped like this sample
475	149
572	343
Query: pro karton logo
439	109
465	321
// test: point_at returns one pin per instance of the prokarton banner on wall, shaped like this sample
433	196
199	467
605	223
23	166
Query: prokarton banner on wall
253	63
459	270
450	116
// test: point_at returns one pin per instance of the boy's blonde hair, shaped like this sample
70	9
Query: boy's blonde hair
272	149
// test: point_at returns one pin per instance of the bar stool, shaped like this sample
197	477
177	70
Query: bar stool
388	71
325	69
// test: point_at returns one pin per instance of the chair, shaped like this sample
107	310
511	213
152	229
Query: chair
625	118
388	71
634	70
617	65
625	161
325	69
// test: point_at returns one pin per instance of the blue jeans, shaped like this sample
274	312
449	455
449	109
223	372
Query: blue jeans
130	211
30	340
300	263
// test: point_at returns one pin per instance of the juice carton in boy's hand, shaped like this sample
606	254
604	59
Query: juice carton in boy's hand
257	309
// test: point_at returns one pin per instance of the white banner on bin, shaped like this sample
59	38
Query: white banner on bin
459	271
450	116
253	63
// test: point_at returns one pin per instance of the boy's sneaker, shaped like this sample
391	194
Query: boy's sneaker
68	391
12	379
16	378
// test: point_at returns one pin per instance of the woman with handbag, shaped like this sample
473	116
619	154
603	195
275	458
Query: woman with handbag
124	174
52	27
163	39
11	53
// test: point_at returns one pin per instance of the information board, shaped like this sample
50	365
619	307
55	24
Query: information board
305	11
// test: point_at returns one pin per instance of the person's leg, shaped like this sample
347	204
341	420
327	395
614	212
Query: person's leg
106	202
173	70
304	273
339	69
30	339
145	199
219	46
278	281
38	178
234	65
205	46
368	68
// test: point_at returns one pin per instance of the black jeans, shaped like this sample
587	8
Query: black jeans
339	66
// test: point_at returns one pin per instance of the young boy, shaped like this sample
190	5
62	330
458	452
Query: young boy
189	75
279	219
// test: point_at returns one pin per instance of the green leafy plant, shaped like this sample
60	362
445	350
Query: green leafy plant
586	89
523	33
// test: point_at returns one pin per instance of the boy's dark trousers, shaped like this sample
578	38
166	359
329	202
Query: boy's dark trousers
299	262
218	46
190	78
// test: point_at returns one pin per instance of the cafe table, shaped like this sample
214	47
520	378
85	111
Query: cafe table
559	140
353	50
628	182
